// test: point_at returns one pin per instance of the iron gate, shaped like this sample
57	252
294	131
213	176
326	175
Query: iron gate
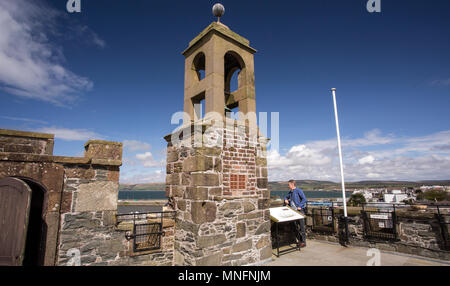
147	236
323	220
380	224
147	229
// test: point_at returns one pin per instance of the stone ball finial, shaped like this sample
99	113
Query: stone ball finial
218	10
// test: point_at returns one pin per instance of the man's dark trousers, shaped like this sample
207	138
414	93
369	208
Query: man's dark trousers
300	230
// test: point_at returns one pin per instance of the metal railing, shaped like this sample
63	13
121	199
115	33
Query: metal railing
147	236
147	228
380	221
444	220
323	220
380	224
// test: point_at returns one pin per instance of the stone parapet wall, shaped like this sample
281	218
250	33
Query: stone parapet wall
13	141
103	150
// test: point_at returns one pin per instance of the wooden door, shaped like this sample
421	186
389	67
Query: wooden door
15	199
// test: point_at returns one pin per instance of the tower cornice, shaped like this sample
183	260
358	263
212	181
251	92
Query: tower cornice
223	31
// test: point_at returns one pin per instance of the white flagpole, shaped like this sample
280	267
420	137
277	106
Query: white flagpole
333	90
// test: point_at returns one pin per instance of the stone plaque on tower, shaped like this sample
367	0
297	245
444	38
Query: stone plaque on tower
216	161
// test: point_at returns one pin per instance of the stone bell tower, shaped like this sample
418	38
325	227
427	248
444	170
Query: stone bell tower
216	165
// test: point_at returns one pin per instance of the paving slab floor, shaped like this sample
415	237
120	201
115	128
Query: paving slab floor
323	253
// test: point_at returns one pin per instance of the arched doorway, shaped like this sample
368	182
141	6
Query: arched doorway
22	221
37	227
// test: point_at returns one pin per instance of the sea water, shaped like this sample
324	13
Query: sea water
161	195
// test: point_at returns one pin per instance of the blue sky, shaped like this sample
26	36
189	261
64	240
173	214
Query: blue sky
115	72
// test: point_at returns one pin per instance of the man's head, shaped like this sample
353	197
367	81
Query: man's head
291	184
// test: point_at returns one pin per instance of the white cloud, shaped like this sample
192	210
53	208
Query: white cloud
156	176
147	160
144	156
373	156
31	65
141	167
366	160
373	176
135	145
71	134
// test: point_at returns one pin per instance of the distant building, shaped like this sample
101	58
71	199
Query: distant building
424	188
394	198
435	188
367	194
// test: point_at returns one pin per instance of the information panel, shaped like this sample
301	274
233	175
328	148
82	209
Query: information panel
282	214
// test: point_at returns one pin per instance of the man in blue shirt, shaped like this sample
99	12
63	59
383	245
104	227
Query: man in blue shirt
296	199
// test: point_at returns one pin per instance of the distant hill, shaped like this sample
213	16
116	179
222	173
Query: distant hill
142	187
303	184
309	185
328	185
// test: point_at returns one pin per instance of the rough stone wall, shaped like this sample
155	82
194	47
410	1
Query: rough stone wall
90	187
100	241
418	232
89	208
426	234
219	222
